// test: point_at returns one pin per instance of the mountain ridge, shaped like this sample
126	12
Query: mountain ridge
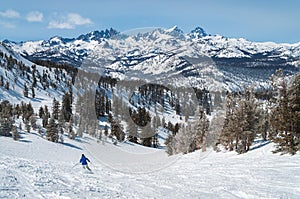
161	51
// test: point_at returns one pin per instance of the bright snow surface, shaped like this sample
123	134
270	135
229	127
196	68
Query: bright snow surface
36	168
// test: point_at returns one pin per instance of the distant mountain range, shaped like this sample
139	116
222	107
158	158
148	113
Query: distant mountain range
196	58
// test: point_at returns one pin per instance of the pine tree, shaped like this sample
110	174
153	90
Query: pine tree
15	133
294	100
106	130
264	124
46	111
117	130
201	131
241	122
163	121
7	86
70	129
155	142
1	80
32	120
5	126
107	105
27	125
109	118
227	135
55	109
67	106
170	144
45	120
32	92
282	118
248	115
41	112
52	132
184	141
25	92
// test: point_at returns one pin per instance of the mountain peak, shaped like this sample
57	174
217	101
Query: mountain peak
174	29
175	32
197	33
98	35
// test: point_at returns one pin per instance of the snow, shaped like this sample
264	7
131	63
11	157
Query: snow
151	52
36	168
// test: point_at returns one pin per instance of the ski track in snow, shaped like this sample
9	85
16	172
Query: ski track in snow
36	168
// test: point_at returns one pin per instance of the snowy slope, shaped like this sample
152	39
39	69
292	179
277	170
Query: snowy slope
36	168
15	94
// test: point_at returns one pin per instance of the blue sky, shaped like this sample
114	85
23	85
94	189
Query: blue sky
256	20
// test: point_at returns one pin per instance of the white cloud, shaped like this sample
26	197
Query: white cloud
76	19
60	25
10	14
35	16
70	21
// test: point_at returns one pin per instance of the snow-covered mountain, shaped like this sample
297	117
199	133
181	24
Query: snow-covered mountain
166	53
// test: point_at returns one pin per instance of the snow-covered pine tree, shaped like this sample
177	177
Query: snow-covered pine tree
229	128
55	109
15	133
170	144
67	106
264	124
52	132
248	115
215	129
60	127
201	130
45	120
294	99
27	125
106	130
185	140
25	92
155	142
1	80
241	121
117	130
282	119
71	132
32	120
5	126
32	92
41	112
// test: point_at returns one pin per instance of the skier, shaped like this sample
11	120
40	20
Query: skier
83	161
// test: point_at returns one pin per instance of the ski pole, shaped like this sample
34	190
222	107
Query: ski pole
75	165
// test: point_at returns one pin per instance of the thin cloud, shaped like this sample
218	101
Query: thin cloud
35	16
10	14
7	25
60	25
70	21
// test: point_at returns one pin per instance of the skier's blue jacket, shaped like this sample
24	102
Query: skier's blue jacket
84	160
